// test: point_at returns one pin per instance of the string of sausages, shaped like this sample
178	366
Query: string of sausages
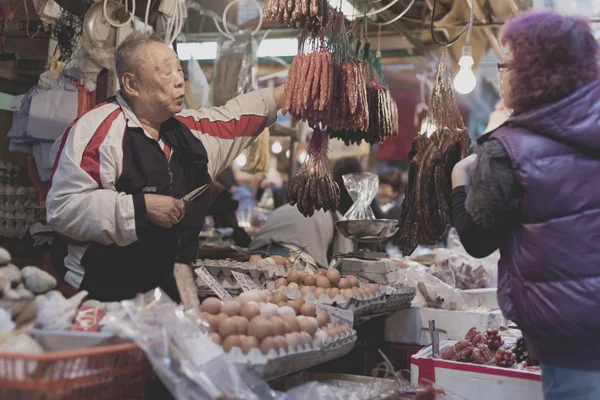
426	208
305	14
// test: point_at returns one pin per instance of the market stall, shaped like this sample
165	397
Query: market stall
157	217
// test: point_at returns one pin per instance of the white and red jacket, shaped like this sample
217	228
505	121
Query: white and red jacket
106	162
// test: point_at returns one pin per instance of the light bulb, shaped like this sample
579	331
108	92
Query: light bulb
287	154
241	160
465	80
276	147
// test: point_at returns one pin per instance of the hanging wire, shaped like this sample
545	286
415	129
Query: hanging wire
464	30
396	18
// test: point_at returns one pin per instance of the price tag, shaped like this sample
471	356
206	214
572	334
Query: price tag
245	281
338	316
212	283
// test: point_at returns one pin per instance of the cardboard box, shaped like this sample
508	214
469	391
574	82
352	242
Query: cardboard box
475	382
411	325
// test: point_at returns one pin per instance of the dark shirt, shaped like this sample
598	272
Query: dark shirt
485	212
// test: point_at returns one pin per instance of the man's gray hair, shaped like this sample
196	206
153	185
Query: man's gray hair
124	57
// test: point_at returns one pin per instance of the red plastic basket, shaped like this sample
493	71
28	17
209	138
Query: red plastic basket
100	373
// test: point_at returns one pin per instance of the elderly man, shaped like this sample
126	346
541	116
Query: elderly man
121	168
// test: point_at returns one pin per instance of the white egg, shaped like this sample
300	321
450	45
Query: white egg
321	337
268	310
248	296
253	303
261	297
286	311
292	286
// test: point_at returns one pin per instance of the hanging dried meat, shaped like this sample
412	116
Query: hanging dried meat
7	13
364	106
312	188
304	14
426	208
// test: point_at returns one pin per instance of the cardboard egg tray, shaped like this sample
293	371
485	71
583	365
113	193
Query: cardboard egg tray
275	364
386	299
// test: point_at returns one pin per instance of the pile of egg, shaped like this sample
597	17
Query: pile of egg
252	321
328	282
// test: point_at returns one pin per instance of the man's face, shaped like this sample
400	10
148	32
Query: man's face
161	83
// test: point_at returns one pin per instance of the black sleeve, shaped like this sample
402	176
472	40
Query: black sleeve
479	242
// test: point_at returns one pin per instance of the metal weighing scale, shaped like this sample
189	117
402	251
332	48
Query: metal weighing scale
365	262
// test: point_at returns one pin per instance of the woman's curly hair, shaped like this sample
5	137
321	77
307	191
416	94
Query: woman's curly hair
552	56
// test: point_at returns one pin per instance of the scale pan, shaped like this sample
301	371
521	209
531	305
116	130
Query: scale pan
368	230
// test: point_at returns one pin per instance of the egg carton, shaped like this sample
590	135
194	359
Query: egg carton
275	364
226	266
354	303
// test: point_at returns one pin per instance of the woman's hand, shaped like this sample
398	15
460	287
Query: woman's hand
461	171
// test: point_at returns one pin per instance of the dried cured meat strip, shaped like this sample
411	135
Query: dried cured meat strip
307	84
316	83
288	91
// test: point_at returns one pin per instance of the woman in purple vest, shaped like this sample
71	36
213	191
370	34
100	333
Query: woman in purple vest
532	190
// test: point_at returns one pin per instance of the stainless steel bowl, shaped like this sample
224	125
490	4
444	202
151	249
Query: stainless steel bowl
368	230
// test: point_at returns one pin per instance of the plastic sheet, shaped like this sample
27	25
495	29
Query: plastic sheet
470	273
362	188
177	344
197	95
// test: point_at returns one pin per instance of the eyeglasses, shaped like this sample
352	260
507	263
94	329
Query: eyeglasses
502	66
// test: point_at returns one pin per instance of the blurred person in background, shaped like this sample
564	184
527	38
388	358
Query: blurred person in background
391	194
532	191
240	193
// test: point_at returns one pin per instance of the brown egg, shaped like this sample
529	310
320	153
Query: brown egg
333	292
248	343
291	324
309	280
294	277
319	292
323	318
292	341
227	328
334	276
278	325
215	337
260	328
353	280
308	327
300	301
344	284
282	304
362	291
231	308
279	260
267	344
249	311
357	293
323	282
300	340
307	339
278	297
255	259
242	324
306	290
213	321
320	272
375	287
280	282
308	309
347	293
295	306
231	342
280	342
238	300
212	305
292	286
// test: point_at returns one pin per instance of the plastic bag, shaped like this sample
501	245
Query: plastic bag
177	344
362	188
235	68
450	297
470	273
197	94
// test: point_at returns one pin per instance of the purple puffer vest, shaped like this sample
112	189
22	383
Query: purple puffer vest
549	273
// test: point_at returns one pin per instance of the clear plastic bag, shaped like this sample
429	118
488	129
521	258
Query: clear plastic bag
197	94
177	344
235	68
470	273
362	188
449	297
